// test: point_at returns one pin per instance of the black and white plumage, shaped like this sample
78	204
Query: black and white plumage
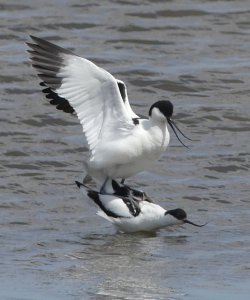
131	215
126	191
121	144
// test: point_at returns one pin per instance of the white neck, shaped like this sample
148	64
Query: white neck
157	116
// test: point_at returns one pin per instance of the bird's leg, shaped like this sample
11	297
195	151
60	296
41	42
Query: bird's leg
102	190
137	194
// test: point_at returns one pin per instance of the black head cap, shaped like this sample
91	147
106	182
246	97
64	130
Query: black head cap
178	213
165	107
181	215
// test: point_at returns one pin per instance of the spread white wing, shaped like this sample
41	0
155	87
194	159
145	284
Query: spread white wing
99	100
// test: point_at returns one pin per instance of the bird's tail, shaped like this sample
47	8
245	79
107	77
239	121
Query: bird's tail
85	190
102	214
82	186
93	198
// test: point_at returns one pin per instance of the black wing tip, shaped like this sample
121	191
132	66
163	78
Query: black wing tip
30	45
60	103
48	46
37	39
32	36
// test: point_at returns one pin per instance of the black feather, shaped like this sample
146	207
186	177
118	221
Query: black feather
122	90
61	103
95	196
133	206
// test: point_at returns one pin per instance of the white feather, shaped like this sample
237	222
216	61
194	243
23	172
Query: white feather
118	147
150	218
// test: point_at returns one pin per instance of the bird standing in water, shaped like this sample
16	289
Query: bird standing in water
133	214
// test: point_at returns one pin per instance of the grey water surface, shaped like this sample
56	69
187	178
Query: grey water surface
52	245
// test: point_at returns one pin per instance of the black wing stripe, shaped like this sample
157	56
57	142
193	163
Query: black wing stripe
61	103
133	206
95	196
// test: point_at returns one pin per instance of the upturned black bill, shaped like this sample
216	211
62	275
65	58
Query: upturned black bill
175	128
192	223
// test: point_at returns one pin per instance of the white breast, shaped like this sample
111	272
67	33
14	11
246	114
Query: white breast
129	155
152	217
